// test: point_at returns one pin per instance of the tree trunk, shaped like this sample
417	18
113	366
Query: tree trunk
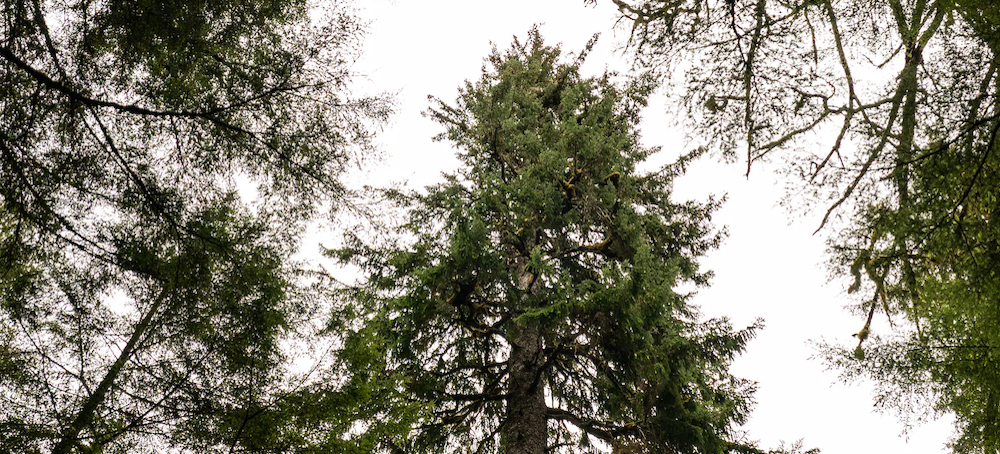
525	429
70	435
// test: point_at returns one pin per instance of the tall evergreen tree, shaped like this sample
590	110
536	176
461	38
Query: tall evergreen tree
143	302
905	97
528	303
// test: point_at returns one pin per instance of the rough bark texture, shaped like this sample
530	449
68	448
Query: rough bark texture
525	430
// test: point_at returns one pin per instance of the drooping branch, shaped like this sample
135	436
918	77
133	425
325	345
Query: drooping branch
599	429
98	252
872	156
972	182
77	95
210	115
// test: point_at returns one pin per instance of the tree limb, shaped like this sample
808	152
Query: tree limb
70	436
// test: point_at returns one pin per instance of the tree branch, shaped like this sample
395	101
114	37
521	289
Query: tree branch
85	416
76	95
590	426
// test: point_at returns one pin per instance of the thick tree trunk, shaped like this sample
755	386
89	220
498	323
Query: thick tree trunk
525	428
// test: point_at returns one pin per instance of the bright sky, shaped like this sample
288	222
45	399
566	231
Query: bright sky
771	266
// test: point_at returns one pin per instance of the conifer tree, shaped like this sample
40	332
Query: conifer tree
528	304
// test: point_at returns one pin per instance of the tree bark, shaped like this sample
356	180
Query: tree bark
525	429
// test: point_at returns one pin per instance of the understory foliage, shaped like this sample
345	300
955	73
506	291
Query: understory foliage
143	302
904	99
527	304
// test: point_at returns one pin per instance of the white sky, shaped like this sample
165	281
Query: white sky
766	268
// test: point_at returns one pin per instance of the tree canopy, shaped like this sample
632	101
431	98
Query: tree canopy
528	303
887	111
143	300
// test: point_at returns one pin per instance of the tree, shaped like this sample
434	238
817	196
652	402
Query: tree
143	301
527	303
904	96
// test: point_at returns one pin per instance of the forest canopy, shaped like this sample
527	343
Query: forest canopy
160	162
903	98
143	299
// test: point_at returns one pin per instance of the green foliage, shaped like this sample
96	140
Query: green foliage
143	303
913	168
793	448
547	241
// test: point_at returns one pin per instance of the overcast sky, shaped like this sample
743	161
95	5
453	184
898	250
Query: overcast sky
771	266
